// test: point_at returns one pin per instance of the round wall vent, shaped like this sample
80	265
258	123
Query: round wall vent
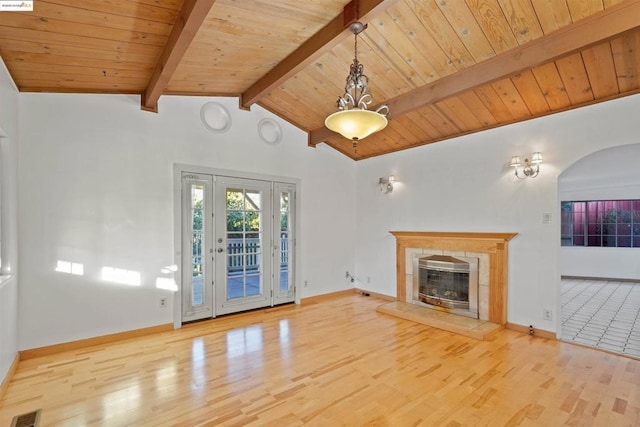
215	117
269	131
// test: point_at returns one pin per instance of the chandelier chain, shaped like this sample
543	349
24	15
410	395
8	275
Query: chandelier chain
355	46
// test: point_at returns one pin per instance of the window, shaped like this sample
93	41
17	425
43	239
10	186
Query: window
604	223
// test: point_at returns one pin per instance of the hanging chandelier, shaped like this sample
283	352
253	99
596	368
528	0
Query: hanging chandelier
353	120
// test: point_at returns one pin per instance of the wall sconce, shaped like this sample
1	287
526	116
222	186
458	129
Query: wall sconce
386	184
531	168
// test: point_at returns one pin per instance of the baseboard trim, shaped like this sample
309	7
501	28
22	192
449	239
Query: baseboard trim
602	279
384	297
104	339
536	332
347	292
319	298
7	379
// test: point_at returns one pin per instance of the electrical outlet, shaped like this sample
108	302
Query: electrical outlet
547	314
163	302
347	275
306	283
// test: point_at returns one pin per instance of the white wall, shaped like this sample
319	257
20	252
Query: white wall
466	184
96	189
608	174
9	138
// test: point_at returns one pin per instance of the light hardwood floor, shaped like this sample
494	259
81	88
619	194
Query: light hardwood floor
331	363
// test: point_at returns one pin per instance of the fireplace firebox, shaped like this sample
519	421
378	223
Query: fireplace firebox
446	283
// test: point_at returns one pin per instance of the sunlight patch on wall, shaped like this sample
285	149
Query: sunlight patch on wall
120	275
169	269
70	268
166	283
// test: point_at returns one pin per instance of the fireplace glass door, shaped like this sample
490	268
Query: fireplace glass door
445	288
446	283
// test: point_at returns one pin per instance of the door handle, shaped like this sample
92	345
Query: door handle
220	250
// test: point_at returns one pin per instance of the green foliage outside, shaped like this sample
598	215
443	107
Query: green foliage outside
239	218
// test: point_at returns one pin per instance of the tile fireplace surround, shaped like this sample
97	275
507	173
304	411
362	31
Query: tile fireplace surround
491	249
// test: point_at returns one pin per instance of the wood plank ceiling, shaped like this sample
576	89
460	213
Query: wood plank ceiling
445	67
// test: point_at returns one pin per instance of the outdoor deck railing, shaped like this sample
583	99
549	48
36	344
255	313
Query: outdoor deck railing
247	253
242	253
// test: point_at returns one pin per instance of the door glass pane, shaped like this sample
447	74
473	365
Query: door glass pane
244	249
252	285
197	233
284	241
252	200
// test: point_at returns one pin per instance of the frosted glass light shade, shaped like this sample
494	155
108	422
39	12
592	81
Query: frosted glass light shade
536	158
356	124
515	161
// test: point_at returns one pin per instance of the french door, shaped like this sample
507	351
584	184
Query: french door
238	244
243	239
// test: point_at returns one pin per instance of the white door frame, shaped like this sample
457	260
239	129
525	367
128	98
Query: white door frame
178	170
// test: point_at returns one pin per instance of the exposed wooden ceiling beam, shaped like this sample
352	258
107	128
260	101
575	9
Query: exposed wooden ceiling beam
321	42
190	18
598	28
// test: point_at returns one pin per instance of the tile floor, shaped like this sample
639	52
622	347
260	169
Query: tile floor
602	314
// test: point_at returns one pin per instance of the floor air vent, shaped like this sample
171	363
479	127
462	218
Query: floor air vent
27	420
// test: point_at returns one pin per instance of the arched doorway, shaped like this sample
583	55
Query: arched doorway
598	260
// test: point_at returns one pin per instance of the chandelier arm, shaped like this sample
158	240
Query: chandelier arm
383	109
517	174
348	100
365	100
535	172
